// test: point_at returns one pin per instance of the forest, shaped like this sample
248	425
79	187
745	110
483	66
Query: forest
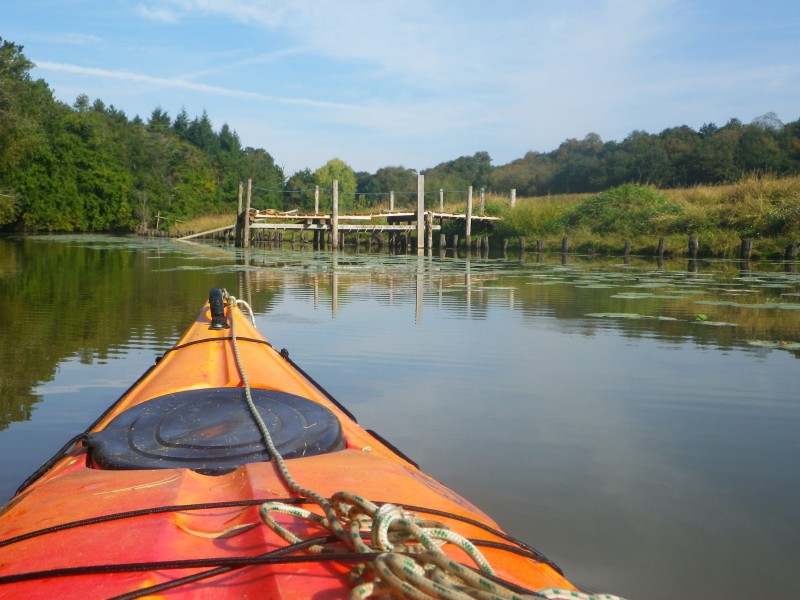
89	167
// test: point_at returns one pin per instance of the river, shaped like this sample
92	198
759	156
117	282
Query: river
638	423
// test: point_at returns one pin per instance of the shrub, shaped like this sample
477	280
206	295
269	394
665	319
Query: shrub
626	209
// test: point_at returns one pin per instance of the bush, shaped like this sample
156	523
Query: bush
626	209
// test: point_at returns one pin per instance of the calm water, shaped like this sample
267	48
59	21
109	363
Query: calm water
638	424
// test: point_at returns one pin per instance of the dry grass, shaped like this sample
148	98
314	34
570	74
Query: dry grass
204	223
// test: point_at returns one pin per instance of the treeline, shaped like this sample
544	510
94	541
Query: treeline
88	167
677	157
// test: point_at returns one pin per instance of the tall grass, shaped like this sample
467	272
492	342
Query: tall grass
763	208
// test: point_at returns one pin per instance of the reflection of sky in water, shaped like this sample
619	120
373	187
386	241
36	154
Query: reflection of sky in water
645	455
651	458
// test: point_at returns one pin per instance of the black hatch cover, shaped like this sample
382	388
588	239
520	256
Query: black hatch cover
212	431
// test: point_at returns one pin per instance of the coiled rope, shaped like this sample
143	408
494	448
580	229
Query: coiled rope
409	562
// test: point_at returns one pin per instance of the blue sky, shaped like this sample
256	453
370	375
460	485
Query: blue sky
418	82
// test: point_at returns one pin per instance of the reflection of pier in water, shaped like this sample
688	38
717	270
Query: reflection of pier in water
339	277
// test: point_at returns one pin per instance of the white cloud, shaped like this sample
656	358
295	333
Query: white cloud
184	84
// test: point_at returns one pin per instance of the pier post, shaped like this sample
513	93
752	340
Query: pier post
391	200
429	230
335	216
246	224
316	200
746	249
661	247
482	197
693	246
469	216
791	251
513	197
241	187
626	250
420	211
441	200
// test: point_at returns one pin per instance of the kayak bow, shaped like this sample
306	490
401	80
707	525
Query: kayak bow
220	472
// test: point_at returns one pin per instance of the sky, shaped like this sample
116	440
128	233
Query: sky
414	83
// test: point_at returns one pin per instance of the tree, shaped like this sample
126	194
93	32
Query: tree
159	120
181	124
300	189
81	103
201	134
580	165
257	164
337	169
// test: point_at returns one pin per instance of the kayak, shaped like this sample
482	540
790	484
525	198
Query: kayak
226	471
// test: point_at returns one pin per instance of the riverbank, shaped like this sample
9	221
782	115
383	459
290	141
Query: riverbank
762	209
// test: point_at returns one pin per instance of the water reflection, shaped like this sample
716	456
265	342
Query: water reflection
630	417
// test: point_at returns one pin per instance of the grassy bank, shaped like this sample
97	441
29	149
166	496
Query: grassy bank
764	209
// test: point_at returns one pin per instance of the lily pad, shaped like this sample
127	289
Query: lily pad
781	345
633	316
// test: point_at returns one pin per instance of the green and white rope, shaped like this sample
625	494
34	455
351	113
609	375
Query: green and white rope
409	562
559	594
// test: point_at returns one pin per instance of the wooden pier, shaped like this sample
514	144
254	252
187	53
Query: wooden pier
421	222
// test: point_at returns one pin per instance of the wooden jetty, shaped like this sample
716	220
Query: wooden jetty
420	221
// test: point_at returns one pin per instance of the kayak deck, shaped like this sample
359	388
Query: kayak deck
93	528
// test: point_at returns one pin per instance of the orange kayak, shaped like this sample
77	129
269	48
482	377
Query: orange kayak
226	471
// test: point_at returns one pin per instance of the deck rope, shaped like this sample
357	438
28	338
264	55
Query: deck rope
409	562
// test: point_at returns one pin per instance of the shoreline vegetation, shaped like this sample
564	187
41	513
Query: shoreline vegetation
763	209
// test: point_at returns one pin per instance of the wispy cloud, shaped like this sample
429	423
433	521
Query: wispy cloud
158	13
185	84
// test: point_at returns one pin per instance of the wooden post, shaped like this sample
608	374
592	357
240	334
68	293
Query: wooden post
391	200
158	220
469	216
316	200
246	233
455	241
661	247
746	249
486	243
513	197
791	251
241	188
482	197
335	216
626	250
693	246
420	211
429	230
442	241
441	200
564	245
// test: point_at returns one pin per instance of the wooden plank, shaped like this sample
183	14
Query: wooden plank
209	232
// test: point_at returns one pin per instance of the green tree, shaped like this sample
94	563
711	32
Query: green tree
337	169
300	190
257	164
159	120
181	124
